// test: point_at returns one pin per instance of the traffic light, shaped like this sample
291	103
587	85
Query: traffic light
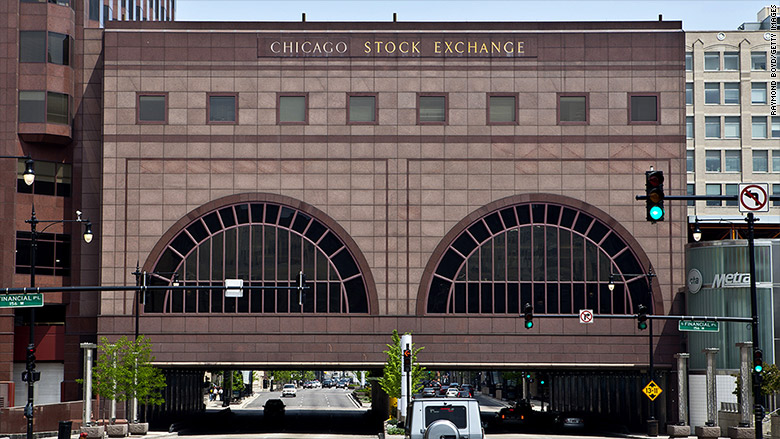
759	410
529	316
758	361
30	357
641	317
407	360
654	189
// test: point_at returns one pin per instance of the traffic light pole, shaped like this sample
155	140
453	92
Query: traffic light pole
28	409
758	398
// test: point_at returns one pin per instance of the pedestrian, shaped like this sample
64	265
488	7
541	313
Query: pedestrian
219	394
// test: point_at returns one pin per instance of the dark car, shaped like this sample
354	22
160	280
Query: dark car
443	390
273	408
463	394
566	421
428	392
469	388
521	413
327	384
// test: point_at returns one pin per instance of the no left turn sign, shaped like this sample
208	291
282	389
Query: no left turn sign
586	316
753	197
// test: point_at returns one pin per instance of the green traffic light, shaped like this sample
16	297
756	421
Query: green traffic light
529	324
656	213
642	325
758	368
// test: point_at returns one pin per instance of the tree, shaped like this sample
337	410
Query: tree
390	382
124	371
770	383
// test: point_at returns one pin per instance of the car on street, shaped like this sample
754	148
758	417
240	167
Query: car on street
464	394
443	390
569	422
428	392
327	384
452	392
341	384
444	418
273	408
289	390
469	388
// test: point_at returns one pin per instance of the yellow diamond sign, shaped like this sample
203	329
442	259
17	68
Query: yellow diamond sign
652	390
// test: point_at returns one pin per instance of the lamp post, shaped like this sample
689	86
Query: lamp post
29	167
33	222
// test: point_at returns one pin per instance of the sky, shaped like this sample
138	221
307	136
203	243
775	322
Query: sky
695	15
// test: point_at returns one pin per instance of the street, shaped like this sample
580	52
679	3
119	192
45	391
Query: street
309	399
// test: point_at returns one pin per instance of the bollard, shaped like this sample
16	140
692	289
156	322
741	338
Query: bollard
64	429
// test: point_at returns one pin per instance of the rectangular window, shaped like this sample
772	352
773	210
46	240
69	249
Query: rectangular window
52	256
776	192
688	61
293	109
222	108
758	61
760	160
733	160
758	93
643	109
152	108
689	160
432	109
712	127
731	127
713	189
759	127
732	189
776	160
712	160
32	46
362	109
59	49
731	61
572	109
712	93
776	127
689	127
691	190
712	61
731	93
94	10
57	108
51	178
32	106
502	109
689	93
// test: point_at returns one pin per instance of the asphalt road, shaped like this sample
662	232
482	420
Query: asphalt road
310	399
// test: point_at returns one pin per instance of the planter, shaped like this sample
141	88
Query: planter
139	428
116	430
95	432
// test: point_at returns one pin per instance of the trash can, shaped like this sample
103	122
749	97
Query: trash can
64	431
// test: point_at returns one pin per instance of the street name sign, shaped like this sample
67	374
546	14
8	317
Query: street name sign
652	390
21	300
698	325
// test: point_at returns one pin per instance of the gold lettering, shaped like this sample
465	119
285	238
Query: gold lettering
368	47
511	48
378	46
387	47
341	47
520	48
327	47
437	47
416	47
495	47
461	47
288	46
317	48
401	47
483	48
303	48
448	47
277	45
472	45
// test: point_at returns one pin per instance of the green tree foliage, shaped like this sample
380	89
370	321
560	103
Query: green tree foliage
124	371
390	382
288	376
769	385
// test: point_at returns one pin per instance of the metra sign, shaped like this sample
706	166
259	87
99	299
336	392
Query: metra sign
731	280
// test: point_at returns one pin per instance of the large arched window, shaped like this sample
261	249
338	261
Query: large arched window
555	257
266	244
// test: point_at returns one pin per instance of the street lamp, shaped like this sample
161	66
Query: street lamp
29	167
33	222
696	230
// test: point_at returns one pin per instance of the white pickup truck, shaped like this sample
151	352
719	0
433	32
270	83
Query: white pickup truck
444	418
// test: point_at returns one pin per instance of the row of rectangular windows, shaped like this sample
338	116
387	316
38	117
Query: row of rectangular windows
732	160
732	126
42	46
712	61
432	108
731	189
712	94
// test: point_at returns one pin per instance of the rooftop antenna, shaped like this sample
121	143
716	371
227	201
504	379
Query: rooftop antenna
303	17
395	17
660	17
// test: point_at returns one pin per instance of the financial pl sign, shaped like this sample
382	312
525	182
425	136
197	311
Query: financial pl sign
720	280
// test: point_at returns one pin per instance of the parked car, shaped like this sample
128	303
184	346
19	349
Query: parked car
289	390
428	392
273	408
452	392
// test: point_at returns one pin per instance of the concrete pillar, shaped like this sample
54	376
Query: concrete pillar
710	429
746	390
682	429
86	419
